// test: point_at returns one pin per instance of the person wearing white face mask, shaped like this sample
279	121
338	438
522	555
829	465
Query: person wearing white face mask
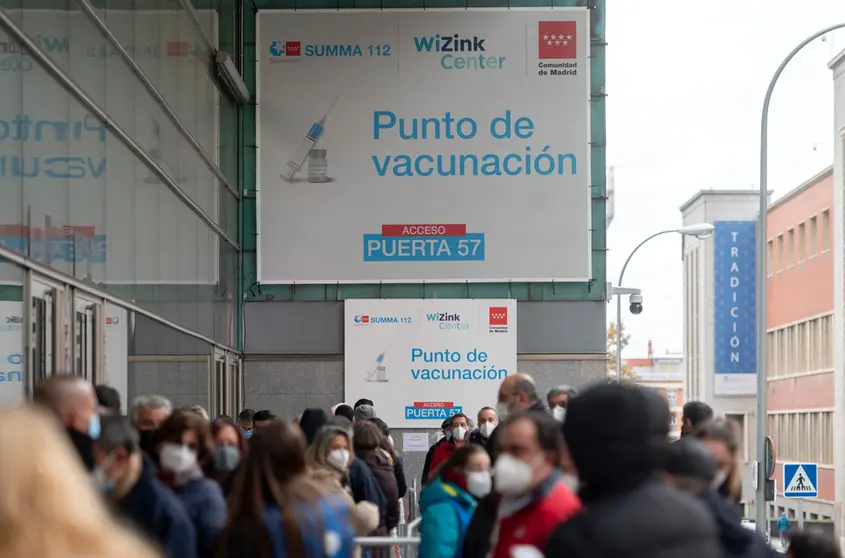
184	444
517	393
328	458
460	431
488	420
534	498
448	501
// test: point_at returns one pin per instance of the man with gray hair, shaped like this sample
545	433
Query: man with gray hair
558	399
517	393
148	412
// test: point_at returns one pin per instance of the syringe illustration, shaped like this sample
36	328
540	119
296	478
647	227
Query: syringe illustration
380	372
311	138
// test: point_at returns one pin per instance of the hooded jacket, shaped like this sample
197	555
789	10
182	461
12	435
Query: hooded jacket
446	510
616	436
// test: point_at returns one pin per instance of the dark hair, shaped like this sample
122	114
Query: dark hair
246	415
807	544
366	436
697	412
458	459
263	415
344	411
458	415
272	472
385	432
108	397
117	433
222	422
172	428
549	434
363	402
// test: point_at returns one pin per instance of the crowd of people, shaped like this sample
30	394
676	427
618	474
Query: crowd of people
590	474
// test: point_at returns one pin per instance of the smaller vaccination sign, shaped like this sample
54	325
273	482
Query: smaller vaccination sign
422	361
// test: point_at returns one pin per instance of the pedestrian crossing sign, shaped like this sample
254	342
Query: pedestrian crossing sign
801	480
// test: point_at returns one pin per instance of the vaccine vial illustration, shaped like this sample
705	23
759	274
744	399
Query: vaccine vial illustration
307	144
379	373
318	166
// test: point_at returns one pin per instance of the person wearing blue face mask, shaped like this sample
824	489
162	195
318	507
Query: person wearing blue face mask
246	422
73	401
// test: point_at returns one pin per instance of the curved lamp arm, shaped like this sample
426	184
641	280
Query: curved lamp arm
634	251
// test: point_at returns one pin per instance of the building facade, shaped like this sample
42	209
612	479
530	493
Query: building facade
705	318
665	374
837	65
799	322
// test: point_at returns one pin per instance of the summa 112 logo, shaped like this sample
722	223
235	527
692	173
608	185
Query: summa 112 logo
361	320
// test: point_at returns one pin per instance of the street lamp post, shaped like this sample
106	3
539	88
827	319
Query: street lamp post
762	473
701	230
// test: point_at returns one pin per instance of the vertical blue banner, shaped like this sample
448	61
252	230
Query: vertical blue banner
735	307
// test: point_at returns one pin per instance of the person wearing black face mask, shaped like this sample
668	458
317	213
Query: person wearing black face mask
148	412
73	401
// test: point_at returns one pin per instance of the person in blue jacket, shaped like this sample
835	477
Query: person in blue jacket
183	444
448	501
783	526
277	510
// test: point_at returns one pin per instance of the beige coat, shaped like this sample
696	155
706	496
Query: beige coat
363	516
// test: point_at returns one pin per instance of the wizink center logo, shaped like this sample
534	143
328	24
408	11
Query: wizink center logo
447	321
459	52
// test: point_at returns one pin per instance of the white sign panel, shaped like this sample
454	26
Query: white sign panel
415	441
12	381
434	145
421	361
95	209
117	350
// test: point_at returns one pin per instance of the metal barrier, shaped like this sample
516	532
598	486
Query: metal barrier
405	547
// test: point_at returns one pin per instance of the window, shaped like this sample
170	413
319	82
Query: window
790	248
770	259
814	237
802	243
826	230
803	436
780	253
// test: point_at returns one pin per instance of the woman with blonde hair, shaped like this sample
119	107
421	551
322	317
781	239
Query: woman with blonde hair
328	458
49	506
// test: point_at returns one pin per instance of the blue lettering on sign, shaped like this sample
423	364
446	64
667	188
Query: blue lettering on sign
468	248
333	50
10	376
426	413
735	297
67	249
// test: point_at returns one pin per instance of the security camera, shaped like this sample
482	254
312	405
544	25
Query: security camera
636	303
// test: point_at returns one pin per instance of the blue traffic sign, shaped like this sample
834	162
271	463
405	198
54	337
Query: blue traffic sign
800	480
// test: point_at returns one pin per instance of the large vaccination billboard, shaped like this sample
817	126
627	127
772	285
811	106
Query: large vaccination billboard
435	145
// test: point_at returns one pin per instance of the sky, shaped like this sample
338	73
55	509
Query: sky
685	90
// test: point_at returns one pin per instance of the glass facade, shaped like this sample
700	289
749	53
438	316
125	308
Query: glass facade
75	198
119	190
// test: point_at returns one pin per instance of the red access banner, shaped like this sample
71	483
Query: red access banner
433	404
423	230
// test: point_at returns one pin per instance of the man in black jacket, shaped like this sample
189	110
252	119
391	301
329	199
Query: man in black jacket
446	428
616	439
130	485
